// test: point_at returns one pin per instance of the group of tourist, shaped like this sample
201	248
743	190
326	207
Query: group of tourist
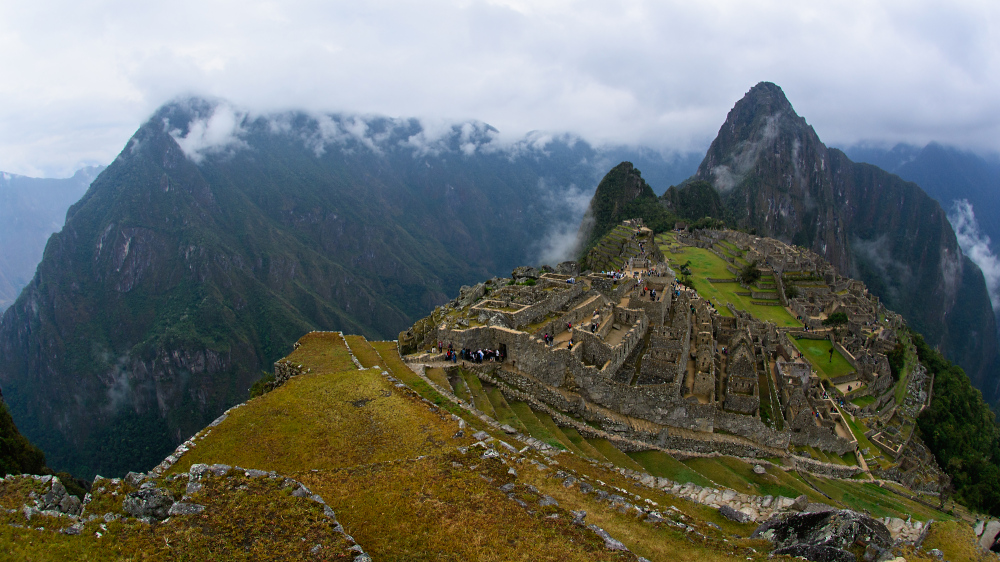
616	275
482	355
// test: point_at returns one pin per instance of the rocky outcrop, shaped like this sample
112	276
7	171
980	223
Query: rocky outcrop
828	536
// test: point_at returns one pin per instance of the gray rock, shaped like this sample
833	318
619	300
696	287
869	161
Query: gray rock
135	479
180	508
197	470
568	268
800	503
758	469
73	529
734	515
980	525
989	535
220	469
827	536
578	517
525	272
254	473
301	492
609	543
548	500
507	488
481	436
490	454
936	553
193	488
151	502
586	488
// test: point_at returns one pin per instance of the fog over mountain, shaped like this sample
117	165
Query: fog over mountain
965	183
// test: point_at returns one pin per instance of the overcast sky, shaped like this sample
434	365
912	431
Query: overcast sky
78	77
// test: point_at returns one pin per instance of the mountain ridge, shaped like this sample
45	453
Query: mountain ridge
778	179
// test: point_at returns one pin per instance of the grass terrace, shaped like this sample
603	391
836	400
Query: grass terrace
705	265
818	353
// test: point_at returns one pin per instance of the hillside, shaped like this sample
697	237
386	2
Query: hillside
776	178
359	457
360	453
216	238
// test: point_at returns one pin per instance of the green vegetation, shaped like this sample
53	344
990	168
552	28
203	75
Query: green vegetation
705	265
693	201
623	194
749	274
838	318
862	401
663	465
17	454
827	360
961	431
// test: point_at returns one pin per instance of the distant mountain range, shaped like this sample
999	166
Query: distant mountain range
31	209
216	239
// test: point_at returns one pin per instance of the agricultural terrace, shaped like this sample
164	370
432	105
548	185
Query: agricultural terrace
818	353
705	265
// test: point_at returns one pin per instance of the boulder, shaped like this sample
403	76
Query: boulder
568	268
827	536
800	503
733	515
758	469
525	272
989	535
149	502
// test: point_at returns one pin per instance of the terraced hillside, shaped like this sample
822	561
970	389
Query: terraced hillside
359	456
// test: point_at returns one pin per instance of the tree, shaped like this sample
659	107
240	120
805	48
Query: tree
749	274
838	318
686	273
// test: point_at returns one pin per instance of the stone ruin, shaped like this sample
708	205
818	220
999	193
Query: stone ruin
671	371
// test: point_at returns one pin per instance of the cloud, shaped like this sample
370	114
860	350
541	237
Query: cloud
217	133
80	78
560	242
976	245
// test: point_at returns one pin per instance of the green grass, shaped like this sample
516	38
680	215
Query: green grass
535	427
738	475
482	401
663	465
502	410
859	433
862	401
550	424
879	502
818	353
614	455
364	351
582	444
704	265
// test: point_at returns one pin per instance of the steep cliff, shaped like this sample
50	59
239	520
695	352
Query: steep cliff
776	177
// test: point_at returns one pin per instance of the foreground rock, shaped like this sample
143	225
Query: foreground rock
830	536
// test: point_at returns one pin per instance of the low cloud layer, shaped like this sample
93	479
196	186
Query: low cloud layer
79	78
976	245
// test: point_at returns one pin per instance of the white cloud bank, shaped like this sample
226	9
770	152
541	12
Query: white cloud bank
78	78
976	245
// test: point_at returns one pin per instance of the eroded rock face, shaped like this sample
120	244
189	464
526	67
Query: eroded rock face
830	536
